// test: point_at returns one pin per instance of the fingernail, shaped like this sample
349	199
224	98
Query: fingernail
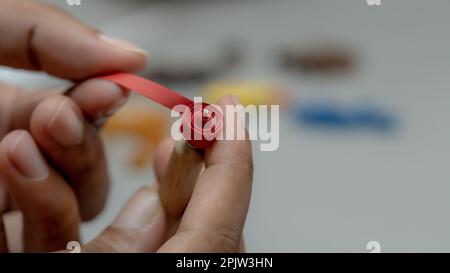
99	122
114	98
65	127
140	211
109	96
27	158
114	107
125	45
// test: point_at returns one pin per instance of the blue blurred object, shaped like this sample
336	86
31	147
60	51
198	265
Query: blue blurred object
323	114
372	118
332	115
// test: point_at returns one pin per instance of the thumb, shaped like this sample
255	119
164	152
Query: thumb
139	227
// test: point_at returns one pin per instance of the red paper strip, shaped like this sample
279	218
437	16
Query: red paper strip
149	89
169	98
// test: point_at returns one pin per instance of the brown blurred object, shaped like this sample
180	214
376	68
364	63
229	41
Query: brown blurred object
318	60
146	124
187	71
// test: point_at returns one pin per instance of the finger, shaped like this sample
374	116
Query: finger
13	227
3	209
162	156
41	37
8	97
216	213
139	227
242	246
74	147
49	208
16	107
98	99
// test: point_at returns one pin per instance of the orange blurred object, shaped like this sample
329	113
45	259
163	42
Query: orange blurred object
249	92
144	123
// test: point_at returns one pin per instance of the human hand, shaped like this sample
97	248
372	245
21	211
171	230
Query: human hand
52	165
216	213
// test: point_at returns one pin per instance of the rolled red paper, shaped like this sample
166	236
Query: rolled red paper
202	120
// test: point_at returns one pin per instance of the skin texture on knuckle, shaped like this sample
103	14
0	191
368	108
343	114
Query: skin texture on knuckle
241	158
243	170
247	169
223	240
113	240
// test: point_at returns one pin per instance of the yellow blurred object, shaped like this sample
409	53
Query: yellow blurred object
249	92
142	122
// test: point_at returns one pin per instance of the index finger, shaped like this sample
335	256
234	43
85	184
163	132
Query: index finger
220	201
40	37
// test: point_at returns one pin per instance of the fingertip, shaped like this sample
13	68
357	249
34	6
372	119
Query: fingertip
5	163
120	44
98	98
140	210
20	158
7	143
228	99
115	54
234	144
59	120
74	147
139	227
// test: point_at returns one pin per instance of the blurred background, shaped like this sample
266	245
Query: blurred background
365	110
